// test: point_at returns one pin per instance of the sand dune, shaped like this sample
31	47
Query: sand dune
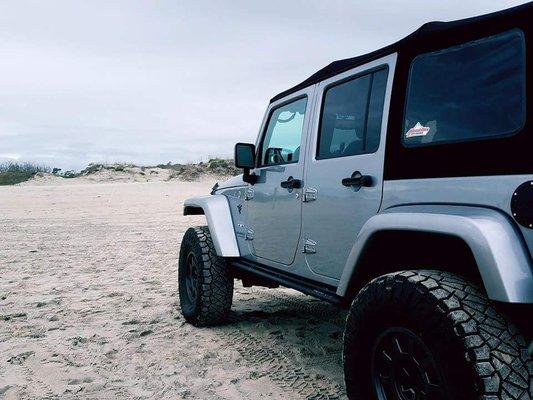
88	306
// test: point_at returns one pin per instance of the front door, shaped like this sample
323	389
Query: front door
274	202
343	186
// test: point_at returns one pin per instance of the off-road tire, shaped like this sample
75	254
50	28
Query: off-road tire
210	302
479	355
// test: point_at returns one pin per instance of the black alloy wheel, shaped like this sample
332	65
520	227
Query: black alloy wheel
403	367
191	277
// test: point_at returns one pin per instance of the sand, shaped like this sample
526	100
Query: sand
89	306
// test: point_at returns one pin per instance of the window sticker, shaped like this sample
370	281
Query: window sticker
417	130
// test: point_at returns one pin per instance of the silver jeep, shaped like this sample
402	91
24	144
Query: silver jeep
398	184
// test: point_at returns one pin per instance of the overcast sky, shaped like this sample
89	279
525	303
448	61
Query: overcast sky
158	81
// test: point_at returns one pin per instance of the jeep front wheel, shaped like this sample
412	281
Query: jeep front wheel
205	287
424	335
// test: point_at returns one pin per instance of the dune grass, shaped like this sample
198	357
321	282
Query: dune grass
12	173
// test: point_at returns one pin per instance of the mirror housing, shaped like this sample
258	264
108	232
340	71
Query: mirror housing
245	155
245	159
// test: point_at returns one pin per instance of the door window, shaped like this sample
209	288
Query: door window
283	136
351	116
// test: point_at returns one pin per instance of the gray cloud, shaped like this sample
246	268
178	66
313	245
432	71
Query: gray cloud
149	82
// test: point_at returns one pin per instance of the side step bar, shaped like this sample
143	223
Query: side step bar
307	286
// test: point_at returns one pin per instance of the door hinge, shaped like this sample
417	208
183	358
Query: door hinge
309	246
310	194
249	234
241	231
249	194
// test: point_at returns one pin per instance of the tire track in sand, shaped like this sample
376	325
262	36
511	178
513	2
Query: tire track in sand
272	360
292	377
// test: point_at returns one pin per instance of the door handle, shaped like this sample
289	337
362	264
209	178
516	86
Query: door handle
357	180
291	183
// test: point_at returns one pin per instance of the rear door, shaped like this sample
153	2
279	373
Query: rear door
344	171
274	202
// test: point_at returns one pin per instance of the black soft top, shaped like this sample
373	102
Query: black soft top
427	33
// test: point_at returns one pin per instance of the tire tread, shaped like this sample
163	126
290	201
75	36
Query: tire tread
216	291
493	348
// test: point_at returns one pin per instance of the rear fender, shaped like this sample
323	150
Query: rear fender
496	244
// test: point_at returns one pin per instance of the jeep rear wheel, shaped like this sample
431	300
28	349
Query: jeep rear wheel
205	287
424	335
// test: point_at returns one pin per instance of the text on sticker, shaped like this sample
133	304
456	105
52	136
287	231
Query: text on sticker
417	130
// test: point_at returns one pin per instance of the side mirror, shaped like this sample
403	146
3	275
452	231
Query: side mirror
245	159
245	155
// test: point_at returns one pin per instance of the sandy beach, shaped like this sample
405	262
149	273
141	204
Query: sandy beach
89	306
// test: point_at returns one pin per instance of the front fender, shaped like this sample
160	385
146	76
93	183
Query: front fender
498	248
218	215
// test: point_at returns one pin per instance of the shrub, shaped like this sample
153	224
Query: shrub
12	173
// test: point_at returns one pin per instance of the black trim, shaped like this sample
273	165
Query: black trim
307	286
